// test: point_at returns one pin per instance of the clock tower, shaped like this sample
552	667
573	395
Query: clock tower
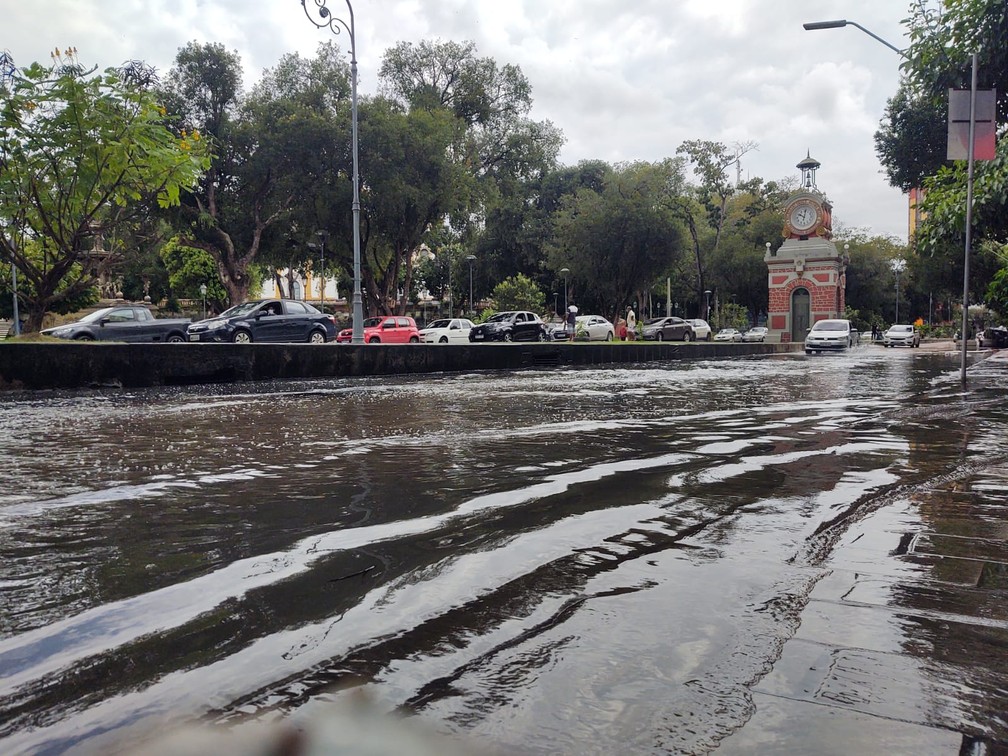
807	274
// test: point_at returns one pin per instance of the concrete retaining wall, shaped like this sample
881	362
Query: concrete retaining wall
35	365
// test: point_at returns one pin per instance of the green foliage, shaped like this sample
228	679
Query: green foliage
997	293
80	155
190	267
519	292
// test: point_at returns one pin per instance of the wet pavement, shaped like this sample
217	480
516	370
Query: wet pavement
788	555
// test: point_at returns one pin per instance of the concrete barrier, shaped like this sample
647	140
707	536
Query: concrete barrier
45	365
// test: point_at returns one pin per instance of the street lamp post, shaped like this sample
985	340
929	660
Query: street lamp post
322	236
203	291
839	24
325	19
555	295
897	266
707	293
471	259
565	272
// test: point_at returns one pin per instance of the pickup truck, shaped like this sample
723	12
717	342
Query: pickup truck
122	323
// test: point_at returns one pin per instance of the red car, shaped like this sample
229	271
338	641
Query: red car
385	329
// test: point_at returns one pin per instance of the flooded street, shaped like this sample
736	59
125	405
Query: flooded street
762	555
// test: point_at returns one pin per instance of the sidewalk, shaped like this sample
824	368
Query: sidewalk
903	645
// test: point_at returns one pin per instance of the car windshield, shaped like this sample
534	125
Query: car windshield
97	315
830	325
241	309
901	329
501	317
437	324
655	321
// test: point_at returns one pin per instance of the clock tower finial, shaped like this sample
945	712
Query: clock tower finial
808	167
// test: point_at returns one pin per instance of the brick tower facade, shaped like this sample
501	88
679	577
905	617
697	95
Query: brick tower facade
807	275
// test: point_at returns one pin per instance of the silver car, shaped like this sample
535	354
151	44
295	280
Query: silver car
830	336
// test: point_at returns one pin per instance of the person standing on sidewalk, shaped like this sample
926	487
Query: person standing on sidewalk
631	324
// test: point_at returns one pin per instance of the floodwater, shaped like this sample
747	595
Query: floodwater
631	560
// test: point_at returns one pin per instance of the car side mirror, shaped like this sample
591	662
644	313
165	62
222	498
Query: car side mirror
103	321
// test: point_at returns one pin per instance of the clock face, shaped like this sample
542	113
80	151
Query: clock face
803	217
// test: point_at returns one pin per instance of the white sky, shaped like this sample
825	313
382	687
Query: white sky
623	79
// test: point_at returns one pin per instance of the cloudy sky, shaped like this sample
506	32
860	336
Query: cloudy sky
623	79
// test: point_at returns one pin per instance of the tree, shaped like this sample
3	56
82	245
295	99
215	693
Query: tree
705	206
519	293
80	156
618	240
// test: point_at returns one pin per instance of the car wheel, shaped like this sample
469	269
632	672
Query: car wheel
609	336
374	340
414	339
508	336
808	351
543	336
443	340
710	337
687	336
175	339
316	337
241	336
84	337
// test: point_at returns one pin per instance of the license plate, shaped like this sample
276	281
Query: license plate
478	336
193	337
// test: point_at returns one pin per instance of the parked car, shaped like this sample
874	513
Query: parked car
266	320
701	329
728	334
830	335
511	326
447	331
122	323
586	328
667	329
385	329
996	338
756	333
901	335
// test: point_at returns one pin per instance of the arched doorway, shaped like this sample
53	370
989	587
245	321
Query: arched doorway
801	313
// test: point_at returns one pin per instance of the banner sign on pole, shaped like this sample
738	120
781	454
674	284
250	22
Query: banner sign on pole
959	121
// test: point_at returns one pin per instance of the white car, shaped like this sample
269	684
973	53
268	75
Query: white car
830	336
593	328
447	331
756	333
728	334
901	335
701	329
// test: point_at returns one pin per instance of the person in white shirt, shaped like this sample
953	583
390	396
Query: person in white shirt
631	324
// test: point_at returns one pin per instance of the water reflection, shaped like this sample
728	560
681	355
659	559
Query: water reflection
560	560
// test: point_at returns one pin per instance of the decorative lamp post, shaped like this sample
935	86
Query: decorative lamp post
555	302
471	259
322	236
203	291
707	293
322	18
565	272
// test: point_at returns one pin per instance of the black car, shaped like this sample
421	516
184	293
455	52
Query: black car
267	320
510	326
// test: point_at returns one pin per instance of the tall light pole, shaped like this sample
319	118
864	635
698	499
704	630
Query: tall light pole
471	259
897	266
707	293
323	18
565	272
7	73
322	236
203	291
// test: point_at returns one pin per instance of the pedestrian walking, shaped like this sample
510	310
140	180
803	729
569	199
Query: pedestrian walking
631	323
